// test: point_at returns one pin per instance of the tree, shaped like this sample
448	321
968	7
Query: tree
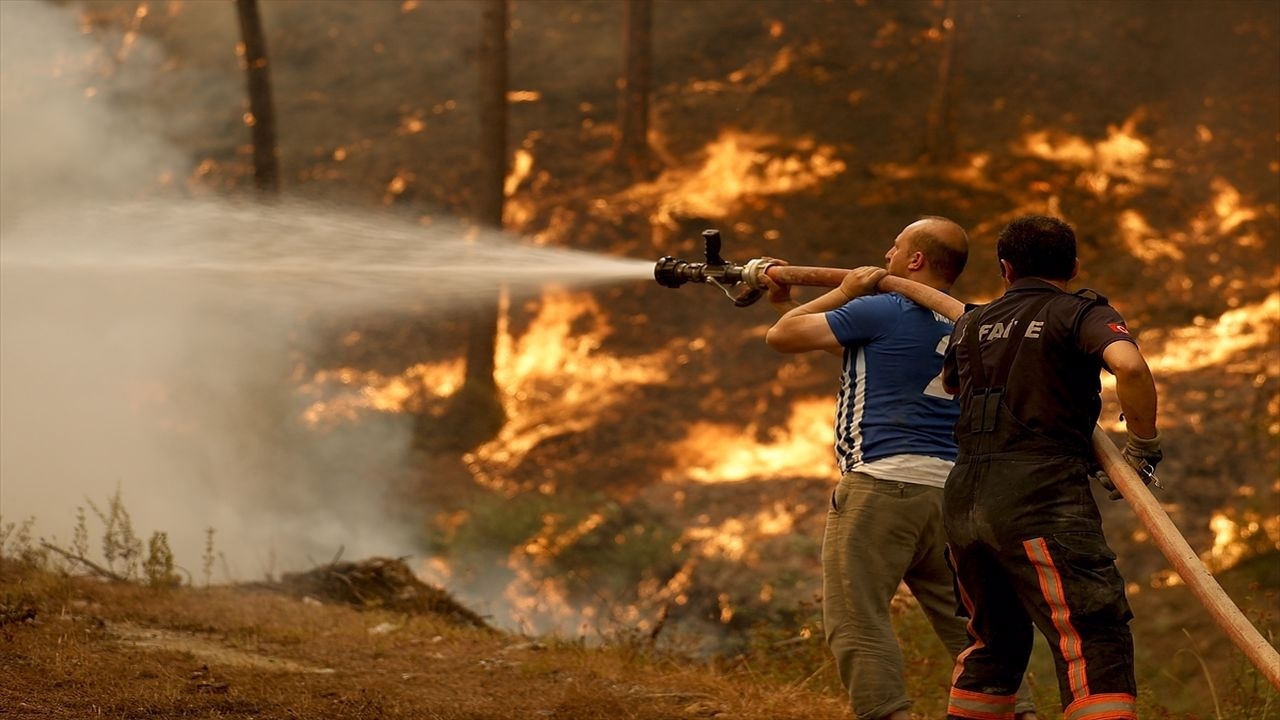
939	146
261	118
631	149
476	412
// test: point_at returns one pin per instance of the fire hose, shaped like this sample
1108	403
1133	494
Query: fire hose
743	284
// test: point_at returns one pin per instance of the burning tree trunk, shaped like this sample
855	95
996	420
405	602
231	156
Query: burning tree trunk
261	116
632	148
477	412
939	143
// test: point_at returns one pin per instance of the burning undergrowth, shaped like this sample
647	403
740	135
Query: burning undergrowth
375	584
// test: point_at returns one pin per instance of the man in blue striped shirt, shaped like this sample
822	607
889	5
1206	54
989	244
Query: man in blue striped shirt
894	447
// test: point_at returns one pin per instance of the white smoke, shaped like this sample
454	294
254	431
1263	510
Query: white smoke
119	367
150	342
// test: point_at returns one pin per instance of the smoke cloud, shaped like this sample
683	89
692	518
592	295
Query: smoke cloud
146	376
153	345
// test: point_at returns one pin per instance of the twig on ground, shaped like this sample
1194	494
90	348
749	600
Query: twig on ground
85	561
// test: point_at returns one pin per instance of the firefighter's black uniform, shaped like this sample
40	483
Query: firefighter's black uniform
1025	533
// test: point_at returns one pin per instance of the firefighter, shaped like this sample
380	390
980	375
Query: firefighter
1024	532
894	446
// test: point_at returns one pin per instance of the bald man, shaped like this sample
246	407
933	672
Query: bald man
895	446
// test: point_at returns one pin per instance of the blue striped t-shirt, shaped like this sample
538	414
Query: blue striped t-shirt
891	399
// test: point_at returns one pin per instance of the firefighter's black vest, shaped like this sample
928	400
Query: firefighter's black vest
987	423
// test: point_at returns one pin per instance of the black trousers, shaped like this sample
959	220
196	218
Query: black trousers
1026	545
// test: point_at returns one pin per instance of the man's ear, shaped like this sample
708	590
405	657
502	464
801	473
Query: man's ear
918	261
1006	271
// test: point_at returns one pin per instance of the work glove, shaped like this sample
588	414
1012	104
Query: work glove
1101	477
1143	455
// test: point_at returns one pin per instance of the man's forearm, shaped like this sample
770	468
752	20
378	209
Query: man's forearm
1135	388
1137	395
784	307
826	302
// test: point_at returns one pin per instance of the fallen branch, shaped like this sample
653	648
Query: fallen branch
104	572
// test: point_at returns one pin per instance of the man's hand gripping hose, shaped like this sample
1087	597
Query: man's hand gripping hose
1129	471
1142	454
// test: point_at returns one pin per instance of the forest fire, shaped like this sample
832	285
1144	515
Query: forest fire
737	165
1206	343
735	538
724	453
552	375
1236	538
359	391
547	375
1122	155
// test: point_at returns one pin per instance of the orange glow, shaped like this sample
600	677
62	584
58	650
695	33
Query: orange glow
397	185
411	125
551	375
738	166
365	391
550	541
521	166
728	540
716	452
1232	538
735	538
1209	342
1123	155
1228	210
1143	241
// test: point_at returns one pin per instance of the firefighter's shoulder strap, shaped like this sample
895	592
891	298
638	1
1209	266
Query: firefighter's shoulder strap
987	393
1089	298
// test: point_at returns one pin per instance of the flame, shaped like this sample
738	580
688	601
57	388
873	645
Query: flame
521	165
411	124
717	453
397	185
364	391
549	542
1205	343
519	210
728	540
738	166
1233	538
1227	214
546	377
550	374
736	538
1143	241
1123	155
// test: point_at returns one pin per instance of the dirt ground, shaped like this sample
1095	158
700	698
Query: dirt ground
78	648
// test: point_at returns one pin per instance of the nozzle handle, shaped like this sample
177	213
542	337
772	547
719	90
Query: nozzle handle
711	238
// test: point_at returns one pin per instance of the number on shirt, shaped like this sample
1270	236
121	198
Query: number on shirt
935	388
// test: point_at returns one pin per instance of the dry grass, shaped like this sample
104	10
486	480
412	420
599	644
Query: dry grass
126	651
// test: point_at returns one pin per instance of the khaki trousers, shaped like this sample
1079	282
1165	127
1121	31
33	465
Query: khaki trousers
879	534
